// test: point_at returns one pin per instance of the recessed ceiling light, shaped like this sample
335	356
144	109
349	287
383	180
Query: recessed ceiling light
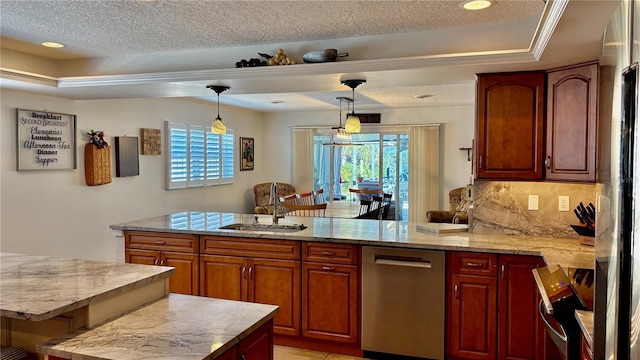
477	4
423	96
52	44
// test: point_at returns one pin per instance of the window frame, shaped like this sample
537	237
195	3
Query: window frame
200	166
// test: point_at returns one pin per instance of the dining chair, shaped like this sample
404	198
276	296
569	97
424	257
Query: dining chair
318	196
305	198
317	210
364	194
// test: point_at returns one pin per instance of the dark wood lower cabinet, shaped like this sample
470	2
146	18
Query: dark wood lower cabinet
521	332
330	305
493	315
472	317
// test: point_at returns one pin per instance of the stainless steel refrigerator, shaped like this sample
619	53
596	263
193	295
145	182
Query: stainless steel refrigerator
617	265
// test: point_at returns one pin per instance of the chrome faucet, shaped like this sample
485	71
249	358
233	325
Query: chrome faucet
275	201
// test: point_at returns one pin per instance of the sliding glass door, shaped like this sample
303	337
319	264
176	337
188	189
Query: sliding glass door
371	160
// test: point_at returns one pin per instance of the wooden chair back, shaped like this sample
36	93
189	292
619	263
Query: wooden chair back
318	196
317	210
305	198
364	194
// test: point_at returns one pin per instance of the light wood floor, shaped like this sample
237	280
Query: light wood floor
289	353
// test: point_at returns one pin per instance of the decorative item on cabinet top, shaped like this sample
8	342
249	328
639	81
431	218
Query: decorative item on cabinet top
151	143
97	160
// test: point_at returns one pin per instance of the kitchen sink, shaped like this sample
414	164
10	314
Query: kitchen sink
264	227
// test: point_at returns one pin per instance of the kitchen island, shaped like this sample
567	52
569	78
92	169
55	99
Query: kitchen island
66	302
315	272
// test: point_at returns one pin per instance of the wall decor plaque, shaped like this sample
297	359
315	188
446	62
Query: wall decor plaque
151	144
126	156
46	141
246	153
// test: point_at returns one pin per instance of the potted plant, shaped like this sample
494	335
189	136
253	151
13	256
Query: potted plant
359	178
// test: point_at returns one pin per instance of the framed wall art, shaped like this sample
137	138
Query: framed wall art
46	141
151	143
246	153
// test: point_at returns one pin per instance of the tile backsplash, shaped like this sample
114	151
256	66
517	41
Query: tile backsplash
502	208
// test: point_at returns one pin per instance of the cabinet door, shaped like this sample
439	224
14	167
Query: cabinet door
330	308
277	282
142	257
520	332
258	345
472	317
509	126
223	277
571	123
185	279
231	354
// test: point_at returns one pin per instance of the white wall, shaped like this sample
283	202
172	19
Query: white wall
56	213
457	131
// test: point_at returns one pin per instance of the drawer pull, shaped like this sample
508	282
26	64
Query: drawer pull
474	265
160	242
328	253
329	268
455	290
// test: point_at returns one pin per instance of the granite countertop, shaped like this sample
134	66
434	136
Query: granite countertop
555	251
177	326
41	287
585	320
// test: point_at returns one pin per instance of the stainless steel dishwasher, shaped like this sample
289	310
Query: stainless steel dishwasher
403	299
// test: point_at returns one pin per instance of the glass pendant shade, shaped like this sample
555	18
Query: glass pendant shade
218	127
352	124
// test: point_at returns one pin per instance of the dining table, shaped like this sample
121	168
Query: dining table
342	209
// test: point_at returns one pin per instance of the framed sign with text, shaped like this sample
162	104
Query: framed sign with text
46	141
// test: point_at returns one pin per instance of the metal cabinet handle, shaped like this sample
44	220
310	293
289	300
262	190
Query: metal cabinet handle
244	276
329	268
250	272
455	290
502	272
162	262
328	253
243	357
480	163
155	261
474	265
160	242
547	162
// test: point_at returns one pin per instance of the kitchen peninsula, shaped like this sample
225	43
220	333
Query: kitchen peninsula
315	273
69	307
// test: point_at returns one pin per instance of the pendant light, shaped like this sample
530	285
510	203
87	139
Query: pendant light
341	133
352	125
218	126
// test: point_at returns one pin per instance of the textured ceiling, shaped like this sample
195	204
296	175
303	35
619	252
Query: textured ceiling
129	49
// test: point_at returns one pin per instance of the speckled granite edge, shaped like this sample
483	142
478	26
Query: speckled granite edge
585	320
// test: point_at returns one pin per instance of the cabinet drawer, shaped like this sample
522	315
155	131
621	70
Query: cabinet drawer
267	249
473	263
330	253
165	242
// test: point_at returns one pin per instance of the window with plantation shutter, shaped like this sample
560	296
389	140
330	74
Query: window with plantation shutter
197	157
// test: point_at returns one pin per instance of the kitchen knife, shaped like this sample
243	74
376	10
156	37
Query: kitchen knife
575	211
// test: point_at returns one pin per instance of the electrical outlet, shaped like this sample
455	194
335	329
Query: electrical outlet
563	203
533	202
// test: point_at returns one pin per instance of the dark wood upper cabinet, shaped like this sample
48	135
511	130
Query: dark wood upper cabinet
510	126
571	135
